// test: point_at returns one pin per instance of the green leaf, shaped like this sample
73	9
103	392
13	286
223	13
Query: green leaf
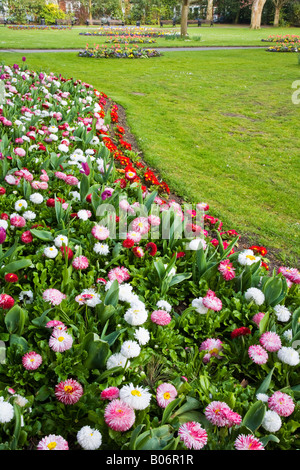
264	387
98	352
15	320
112	296
84	187
265	439
42	235
16	266
179	278
263	323
254	416
169	409
134	436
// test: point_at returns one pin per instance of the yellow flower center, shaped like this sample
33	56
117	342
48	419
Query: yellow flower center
51	445
136	393
68	388
250	257
214	351
167	396
60	338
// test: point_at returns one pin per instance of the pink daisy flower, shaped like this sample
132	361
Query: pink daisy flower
53	442
80	262
192	435
213	347
270	341
17	221
134	236
212	302
165	393
282	403
161	317
60	341
120	274
119	416
154	220
100	232
60	175
71	180
227	270
110	393
32	360
258	354
248	442
54	296
214	413
69	391
141	225
258	317
232	417
56	324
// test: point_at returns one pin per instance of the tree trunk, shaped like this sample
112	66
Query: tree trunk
210	10
184	17
237	17
276	17
257	9
90	12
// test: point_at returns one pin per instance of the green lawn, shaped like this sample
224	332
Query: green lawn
217	35
220	126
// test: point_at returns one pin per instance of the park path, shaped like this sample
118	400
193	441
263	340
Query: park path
161	49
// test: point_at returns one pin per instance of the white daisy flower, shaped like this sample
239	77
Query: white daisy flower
36	198
130	349
142	335
255	295
117	360
282	313
289	356
164	305
247	257
136	316
21	204
272	421
59	240
50	252
198	305
6	411
101	249
136	397
88	438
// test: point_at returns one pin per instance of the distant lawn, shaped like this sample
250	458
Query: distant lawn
220	126
218	35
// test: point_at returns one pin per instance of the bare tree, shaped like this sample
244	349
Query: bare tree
210	10
256	11
278	5
184	17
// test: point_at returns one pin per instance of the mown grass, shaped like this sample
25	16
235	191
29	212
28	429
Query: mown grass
217	35
220	126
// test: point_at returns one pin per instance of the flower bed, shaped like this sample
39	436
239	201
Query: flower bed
293	38
144	32
283	47
130	40
39	27
124	51
128	321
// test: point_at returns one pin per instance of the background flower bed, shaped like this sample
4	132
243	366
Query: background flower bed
72	158
123	51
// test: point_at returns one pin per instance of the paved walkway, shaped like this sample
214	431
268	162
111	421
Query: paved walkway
162	49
